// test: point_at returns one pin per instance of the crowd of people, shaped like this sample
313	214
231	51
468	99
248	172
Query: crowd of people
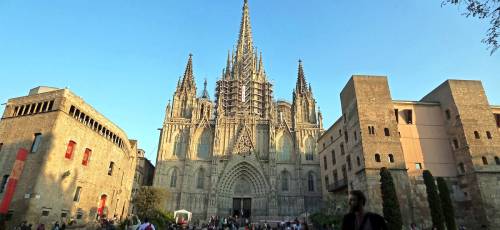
356	219
27	226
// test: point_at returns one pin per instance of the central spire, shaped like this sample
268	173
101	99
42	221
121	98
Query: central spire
244	48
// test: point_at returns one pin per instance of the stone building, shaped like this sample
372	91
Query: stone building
453	132
144	173
244	153
78	161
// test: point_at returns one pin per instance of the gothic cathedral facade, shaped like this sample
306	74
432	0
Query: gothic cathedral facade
244	153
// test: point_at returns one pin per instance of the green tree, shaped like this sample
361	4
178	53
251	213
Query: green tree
434	201
447	206
334	208
390	203
483	9
149	200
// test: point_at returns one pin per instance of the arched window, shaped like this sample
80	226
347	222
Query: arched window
488	134
485	160
497	160
476	134
180	145
204	144
377	157
310	147
173	178
391	158
285	180
310	182
285	147
200	182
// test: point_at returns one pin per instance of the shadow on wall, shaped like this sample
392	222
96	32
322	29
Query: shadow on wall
46	190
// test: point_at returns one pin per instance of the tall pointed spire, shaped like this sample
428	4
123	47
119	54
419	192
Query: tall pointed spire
245	43
205	91
228	66
301	86
188	78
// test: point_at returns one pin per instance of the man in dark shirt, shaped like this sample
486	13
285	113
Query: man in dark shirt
357	218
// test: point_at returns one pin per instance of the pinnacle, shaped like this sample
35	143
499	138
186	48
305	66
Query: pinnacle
301	79
188	78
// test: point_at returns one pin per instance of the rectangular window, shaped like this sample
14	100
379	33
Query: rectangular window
409	116
51	104
348	160
32	108
346	137
342	151
497	119
344	172
418	165
326	181
45	212
355	136
36	142
334	161
70	149
396	114
1	145
386	132
72	110
86	157
38	107
335	177
76	198
324	162
16	109
110	169
44	106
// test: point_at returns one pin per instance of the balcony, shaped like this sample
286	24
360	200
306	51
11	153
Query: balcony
338	185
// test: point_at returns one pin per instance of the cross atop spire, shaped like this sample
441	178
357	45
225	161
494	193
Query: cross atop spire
188	78
301	86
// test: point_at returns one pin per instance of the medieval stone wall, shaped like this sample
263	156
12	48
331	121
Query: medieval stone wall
47	189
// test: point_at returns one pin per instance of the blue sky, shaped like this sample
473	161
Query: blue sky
124	57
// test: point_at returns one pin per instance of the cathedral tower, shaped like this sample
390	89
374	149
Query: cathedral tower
243	154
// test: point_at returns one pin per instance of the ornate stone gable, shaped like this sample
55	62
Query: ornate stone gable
243	145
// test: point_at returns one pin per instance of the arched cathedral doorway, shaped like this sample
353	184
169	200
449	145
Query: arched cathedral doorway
243	191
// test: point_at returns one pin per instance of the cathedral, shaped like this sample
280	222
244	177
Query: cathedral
242	153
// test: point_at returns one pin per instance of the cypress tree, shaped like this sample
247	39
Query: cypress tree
434	201
447	206
390	202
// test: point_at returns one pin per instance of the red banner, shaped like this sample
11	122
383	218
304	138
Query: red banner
17	170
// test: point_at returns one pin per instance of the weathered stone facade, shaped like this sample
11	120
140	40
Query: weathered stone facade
144	173
245	154
78	163
453	132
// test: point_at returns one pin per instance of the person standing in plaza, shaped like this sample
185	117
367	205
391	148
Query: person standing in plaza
357	218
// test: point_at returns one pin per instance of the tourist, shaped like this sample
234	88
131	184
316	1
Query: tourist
413	226
56	226
357	218
146	225
41	227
